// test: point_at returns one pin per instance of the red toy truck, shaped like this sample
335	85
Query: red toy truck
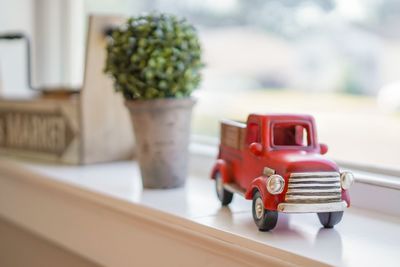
276	161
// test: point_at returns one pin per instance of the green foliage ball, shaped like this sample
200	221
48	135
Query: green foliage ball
154	56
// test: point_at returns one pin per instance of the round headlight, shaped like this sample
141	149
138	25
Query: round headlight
275	184
346	180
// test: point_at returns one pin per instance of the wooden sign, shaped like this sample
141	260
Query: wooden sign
88	126
35	131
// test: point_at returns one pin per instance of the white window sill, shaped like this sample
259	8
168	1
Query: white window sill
101	213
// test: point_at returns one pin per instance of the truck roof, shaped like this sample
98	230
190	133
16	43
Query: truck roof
283	116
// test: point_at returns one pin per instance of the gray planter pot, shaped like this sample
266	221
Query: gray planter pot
162	131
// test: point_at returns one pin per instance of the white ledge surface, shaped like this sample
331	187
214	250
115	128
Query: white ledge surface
363	238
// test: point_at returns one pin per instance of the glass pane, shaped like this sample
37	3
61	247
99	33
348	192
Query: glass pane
336	60
290	135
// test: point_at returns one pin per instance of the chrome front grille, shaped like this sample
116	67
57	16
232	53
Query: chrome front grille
313	187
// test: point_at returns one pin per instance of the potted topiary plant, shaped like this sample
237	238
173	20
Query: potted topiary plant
155	62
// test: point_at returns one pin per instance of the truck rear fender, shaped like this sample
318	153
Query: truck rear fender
222	168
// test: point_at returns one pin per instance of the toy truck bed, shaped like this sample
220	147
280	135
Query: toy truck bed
233	134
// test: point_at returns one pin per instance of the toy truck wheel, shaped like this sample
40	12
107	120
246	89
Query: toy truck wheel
264	219
330	219
223	195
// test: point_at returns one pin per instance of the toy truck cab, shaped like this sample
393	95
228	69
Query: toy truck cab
276	161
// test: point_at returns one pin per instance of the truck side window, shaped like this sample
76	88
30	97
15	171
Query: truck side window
253	133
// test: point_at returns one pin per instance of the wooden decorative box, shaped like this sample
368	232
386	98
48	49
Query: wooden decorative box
87	126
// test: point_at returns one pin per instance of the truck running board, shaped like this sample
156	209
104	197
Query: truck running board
234	188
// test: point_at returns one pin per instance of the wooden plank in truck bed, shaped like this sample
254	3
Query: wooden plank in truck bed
232	134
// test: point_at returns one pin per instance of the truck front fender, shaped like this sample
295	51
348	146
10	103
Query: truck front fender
221	167
270	201
257	184
346	197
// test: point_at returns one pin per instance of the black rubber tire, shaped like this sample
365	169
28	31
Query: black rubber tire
330	219
268	219
223	195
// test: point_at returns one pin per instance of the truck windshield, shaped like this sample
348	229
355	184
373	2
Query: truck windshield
294	135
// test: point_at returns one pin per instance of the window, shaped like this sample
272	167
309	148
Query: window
295	135
335	60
